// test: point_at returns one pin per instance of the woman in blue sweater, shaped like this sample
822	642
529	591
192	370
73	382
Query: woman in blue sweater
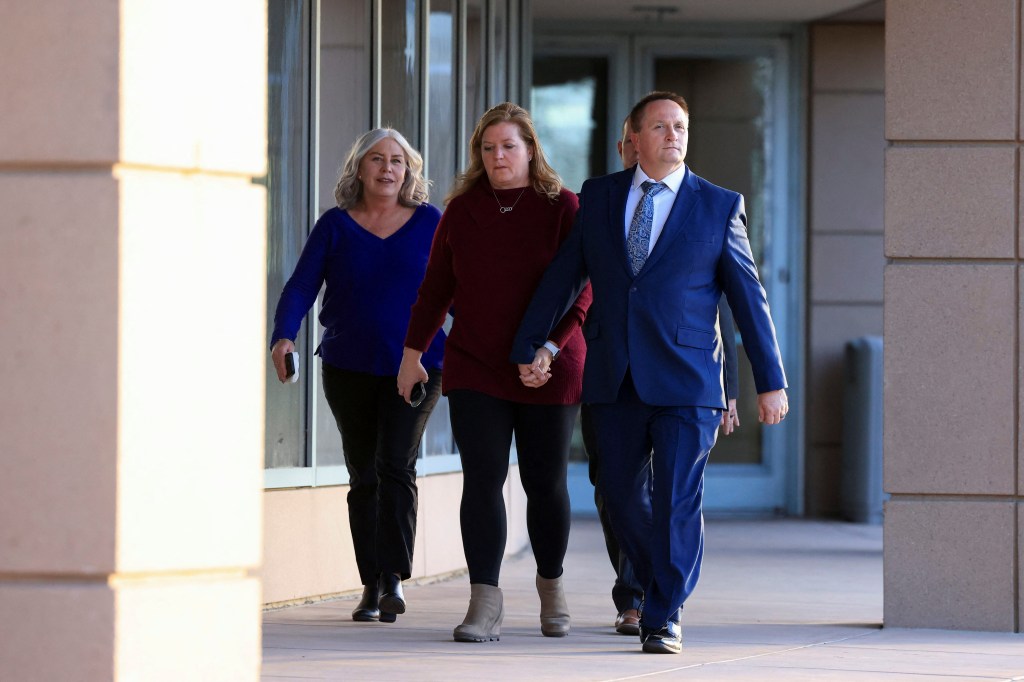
371	251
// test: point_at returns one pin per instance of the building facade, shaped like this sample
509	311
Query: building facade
160	174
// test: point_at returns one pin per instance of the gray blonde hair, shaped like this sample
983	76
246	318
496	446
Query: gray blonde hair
349	189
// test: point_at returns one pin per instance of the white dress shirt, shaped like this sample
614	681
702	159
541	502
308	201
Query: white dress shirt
662	201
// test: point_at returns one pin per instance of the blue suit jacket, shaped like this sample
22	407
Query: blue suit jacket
660	324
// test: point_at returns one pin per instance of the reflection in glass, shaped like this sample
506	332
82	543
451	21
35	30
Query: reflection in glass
569	107
499	53
730	122
399	84
730	145
344	88
344	115
476	51
441	165
286	215
438	439
441	147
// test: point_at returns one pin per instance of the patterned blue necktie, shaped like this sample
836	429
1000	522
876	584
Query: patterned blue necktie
638	240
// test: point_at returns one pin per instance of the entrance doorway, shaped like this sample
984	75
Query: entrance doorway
743	136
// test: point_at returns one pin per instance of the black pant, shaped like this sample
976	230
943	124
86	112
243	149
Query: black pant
627	593
381	435
483	427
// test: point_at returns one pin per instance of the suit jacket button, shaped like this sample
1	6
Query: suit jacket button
632	289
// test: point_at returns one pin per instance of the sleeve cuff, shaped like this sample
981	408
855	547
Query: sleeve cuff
553	348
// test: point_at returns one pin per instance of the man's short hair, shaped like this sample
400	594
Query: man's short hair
636	115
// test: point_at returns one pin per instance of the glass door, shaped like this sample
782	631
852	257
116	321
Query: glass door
740	139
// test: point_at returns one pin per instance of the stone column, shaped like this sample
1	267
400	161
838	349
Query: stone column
132	278
953	527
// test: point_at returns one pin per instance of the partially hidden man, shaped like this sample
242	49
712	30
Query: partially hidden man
659	245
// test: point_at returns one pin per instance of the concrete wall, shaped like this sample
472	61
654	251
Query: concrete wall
308	546
847	146
133	242
954	528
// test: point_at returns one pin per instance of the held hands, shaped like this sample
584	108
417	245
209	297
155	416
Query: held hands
281	348
538	373
772	407
730	418
411	372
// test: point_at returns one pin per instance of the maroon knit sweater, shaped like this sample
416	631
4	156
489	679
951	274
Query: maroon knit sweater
485	265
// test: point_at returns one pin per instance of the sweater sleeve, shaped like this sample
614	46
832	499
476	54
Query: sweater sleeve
302	287
435	292
577	313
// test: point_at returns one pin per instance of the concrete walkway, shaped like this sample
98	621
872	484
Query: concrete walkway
778	600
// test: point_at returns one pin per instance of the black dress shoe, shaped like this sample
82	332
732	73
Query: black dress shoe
392	599
368	608
667	639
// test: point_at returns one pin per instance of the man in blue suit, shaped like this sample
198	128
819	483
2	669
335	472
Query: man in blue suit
659	246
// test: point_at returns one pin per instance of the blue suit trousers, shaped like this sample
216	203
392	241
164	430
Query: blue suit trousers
661	527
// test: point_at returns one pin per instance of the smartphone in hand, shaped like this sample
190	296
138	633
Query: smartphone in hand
291	367
418	394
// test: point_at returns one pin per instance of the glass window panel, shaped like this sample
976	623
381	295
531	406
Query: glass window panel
499	53
399	77
731	123
442	143
438	439
569	107
344	88
344	115
731	130
287	207
329	451
476	64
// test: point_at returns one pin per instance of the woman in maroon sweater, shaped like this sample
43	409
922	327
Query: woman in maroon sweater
504	221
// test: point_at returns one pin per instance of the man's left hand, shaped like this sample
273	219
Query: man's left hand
772	407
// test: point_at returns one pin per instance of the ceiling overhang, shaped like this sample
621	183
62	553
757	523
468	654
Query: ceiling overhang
703	11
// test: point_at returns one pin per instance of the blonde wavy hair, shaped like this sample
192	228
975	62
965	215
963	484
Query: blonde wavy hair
349	190
543	177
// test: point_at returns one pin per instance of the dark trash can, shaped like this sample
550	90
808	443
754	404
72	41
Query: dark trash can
861	494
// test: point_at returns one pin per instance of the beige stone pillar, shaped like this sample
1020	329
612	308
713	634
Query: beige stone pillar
954	527
132	277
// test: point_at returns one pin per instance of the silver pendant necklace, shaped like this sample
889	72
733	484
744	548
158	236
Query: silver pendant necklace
508	209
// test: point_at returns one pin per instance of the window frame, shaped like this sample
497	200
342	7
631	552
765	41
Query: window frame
314	474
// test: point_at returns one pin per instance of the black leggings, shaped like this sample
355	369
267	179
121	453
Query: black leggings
483	427
380	434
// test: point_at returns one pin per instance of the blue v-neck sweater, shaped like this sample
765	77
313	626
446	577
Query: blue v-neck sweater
371	286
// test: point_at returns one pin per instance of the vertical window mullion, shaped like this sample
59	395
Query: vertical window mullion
312	181
376	51
423	50
462	41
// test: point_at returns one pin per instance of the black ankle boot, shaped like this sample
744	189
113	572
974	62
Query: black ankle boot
392	599
369	606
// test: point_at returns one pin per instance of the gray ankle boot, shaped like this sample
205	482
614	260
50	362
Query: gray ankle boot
483	619
554	613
